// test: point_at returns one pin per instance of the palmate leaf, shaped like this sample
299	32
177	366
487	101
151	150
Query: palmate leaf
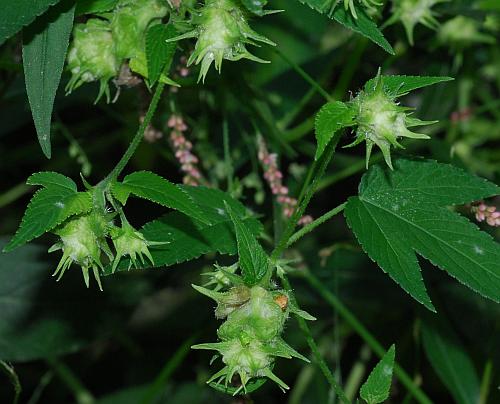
148	185
49	207
187	238
377	386
332	117
363	24
399	213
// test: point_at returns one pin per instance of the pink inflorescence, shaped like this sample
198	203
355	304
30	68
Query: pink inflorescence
182	149
274	177
487	213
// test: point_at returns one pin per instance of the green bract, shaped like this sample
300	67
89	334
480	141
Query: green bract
381	121
370	5
82	239
223	32
91	56
413	12
250	337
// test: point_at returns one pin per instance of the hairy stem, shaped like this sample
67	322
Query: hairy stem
368	337
139	134
314	348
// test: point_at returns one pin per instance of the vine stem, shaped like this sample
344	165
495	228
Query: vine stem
317	222
370	340
139	134
314	348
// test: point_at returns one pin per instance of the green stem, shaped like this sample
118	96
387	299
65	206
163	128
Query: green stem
307	192
227	156
13	194
372	342
139	134
14	379
486	382
311	226
301	72
314	348
81	394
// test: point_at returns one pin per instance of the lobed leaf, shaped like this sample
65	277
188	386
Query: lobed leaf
254	263
332	117
399	213
159	52
377	386
148	185
45	43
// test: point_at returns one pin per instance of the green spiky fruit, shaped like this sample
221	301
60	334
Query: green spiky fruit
369	5
413	12
130	242
250	337
381	121
91	56
223	33
129	24
82	239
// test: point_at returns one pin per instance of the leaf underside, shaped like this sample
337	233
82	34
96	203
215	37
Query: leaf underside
399	213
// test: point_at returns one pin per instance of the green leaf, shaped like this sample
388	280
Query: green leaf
399	213
94	6
45	43
148	185
332	117
401	85
254	263
449	359
159	53
49	207
377	386
188	238
363	25
18	13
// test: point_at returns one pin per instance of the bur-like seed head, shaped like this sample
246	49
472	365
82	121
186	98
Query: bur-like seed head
91	56
381	121
223	33
130	242
130	21
81	241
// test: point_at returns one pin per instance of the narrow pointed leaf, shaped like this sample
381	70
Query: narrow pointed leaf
406	211
377	386
448	356
45	43
159	52
148	185
332	117
253	260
